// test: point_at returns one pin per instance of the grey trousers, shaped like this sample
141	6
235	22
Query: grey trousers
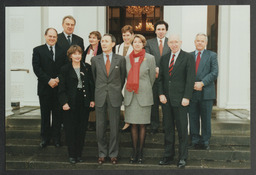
101	125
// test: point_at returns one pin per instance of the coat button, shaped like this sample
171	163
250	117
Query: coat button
83	90
84	95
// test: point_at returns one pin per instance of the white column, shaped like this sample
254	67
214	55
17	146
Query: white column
234	57
8	108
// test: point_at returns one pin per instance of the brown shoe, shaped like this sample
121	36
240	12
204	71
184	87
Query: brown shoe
113	160
101	160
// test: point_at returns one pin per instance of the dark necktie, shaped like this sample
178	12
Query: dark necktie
198	58
69	40
161	47
51	51
107	64
171	65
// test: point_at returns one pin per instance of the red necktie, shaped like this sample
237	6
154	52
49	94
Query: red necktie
107	64
161	47
198	58
171	65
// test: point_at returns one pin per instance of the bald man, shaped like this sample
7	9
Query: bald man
176	81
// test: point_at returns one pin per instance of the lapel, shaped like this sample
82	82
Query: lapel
102	63
72	72
47	52
203	61
73	40
114	62
166	47
177	62
121	49
64	40
155	45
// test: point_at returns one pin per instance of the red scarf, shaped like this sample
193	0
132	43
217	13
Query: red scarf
134	73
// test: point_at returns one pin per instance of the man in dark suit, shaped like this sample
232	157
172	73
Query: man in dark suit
109	72
67	38
176	81
157	46
203	95
47	61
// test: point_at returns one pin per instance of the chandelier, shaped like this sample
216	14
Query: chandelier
138	10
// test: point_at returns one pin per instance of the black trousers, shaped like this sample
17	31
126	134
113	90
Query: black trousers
75	124
49	104
175	116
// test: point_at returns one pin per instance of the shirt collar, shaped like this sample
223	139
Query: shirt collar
196	52
158	40
176	54
66	35
53	47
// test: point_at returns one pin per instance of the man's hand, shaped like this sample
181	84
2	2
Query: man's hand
92	104
162	99
157	72
65	107
53	83
185	102
198	86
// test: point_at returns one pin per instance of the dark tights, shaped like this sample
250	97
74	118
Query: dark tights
141	134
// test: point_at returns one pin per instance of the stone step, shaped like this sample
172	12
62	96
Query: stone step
36	162
227	153
158	138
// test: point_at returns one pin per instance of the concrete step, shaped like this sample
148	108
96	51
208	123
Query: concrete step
90	163
158	138
223	153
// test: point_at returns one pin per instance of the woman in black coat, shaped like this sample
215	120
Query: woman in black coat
76	95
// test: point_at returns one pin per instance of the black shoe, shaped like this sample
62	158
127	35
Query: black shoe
181	163
92	126
194	146
153	131
72	160
79	159
166	161
44	144
133	157
140	158
57	144
205	147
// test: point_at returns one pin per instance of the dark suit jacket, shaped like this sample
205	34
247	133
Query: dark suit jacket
99	51
112	84
207	72
181	83
153	49
45	68
63	42
68	85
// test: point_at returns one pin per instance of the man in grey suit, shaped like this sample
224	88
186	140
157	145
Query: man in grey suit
176	81
203	95
157	46
108	71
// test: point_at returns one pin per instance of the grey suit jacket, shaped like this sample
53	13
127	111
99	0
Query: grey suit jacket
108	85
207	73
153	49
146	81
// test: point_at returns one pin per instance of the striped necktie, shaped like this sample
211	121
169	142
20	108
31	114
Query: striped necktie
171	65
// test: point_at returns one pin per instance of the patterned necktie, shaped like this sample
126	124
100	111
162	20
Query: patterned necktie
52	54
107	64
171	65
161	47
198	58
69	40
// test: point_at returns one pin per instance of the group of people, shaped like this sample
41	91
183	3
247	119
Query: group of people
77	85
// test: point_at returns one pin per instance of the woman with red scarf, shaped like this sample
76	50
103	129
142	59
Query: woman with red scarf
138	96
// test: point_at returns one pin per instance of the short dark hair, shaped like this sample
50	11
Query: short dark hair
113	38
69	17
161	22
46	31
96	33
73	49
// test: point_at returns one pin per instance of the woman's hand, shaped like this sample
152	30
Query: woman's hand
92	104
162	99
65	107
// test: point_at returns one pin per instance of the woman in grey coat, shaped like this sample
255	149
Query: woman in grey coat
138	96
